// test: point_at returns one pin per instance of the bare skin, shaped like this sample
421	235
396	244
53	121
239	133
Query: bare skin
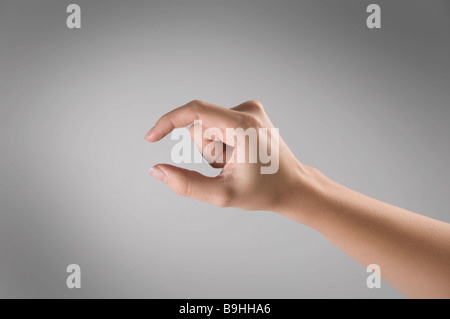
412	250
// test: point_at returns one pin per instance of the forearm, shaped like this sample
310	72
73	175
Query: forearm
413	251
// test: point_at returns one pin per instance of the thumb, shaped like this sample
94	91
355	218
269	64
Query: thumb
213	190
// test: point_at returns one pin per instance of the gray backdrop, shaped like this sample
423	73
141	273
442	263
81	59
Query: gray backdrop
370	108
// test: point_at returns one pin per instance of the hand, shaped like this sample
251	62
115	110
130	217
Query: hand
405	245
239	185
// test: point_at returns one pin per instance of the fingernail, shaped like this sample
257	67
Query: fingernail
158	173
149	135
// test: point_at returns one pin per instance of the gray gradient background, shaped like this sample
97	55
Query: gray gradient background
370	108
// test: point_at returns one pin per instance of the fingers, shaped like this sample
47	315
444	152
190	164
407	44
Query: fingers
213	190
214	146
209	143
210	114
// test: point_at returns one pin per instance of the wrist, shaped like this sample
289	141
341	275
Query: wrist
305	195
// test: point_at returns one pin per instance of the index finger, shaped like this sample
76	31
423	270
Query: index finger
210	114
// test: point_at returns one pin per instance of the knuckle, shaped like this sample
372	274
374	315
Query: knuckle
257	105
196	103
